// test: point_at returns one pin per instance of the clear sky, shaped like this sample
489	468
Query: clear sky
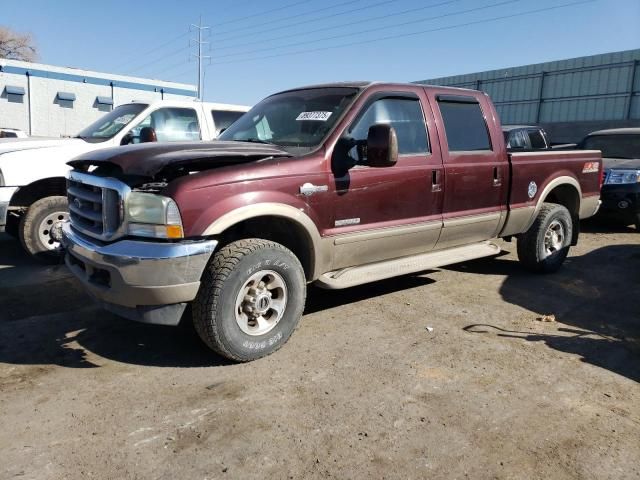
260	47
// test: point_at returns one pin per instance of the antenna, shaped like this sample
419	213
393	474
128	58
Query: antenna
199	42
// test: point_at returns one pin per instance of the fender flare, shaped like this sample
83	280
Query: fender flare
272	209
556	182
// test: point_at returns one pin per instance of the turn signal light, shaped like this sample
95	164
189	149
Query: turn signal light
174	231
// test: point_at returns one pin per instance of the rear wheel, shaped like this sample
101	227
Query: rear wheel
544	247
40	229
250	300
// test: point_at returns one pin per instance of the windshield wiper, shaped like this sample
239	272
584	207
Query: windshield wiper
254	140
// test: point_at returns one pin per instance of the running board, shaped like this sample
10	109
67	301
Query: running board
352	276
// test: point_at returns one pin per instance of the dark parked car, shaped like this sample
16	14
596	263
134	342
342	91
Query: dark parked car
621	161
525	137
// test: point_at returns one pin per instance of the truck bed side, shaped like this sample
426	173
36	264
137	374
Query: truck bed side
571	178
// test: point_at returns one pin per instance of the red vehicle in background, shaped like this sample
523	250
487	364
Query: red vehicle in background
336	185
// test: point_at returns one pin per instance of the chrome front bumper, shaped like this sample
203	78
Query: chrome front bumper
151	282
5	198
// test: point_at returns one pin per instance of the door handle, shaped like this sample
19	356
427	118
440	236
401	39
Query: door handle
309	189
497	180
436	186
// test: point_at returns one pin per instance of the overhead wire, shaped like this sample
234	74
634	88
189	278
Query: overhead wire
282	19
312	20
153	50
408	34
377	29
259	14
333	27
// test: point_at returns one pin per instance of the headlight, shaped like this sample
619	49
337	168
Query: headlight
616	176
151	215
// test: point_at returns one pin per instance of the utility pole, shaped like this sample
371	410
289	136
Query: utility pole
199	42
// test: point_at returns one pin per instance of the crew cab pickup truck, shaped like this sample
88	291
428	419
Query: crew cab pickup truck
337	185
32	171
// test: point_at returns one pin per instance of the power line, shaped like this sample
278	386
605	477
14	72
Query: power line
312	20
161	59
159	47
360	32
282	19
239	19
404	35
348	24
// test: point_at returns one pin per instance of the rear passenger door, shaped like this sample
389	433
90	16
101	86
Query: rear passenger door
476	170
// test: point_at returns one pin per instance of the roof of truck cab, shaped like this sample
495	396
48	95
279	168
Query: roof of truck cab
618	131
361	85
188	103
508	128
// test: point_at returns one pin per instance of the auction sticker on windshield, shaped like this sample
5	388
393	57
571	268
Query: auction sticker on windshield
319	116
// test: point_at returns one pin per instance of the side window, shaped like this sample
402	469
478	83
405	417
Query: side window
223	119
465	126
403	114
515	139
536	139
172	125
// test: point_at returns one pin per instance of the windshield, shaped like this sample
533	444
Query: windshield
614	146
298	119
109	125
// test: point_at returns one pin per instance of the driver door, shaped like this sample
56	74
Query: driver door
383	213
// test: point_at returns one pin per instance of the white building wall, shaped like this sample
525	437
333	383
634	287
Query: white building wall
54	117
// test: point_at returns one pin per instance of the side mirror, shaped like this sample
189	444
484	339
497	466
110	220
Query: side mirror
382	146
127	139
148	134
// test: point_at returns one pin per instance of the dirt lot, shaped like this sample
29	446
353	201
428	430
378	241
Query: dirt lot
362	390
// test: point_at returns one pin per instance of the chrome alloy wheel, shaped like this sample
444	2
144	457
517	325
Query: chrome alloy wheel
554	238
261	303
50	229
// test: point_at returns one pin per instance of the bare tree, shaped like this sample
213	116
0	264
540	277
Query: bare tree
17	46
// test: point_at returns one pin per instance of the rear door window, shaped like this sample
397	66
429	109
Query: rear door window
465	125
537	140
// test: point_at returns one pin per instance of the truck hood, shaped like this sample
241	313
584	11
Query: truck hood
31	143
608	163
147	160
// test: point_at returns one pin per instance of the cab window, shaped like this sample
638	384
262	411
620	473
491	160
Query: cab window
403	114
171	125
464	124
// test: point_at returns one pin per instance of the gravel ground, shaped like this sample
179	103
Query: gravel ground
364	389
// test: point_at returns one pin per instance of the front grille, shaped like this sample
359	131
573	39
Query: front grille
95	205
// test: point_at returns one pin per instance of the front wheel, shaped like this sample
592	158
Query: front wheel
544	247
250	300
40	229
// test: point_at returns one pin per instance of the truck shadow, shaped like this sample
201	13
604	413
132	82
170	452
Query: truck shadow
593	298
47	319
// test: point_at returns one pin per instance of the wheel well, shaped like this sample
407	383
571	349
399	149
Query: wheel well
281	230
47	187
569	197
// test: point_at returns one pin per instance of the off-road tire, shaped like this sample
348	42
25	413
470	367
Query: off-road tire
30	223
214	309
531	250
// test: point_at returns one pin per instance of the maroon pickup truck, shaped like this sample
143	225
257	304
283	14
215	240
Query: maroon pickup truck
336	185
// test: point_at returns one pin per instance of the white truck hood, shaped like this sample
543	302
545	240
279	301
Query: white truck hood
16	144
35	160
